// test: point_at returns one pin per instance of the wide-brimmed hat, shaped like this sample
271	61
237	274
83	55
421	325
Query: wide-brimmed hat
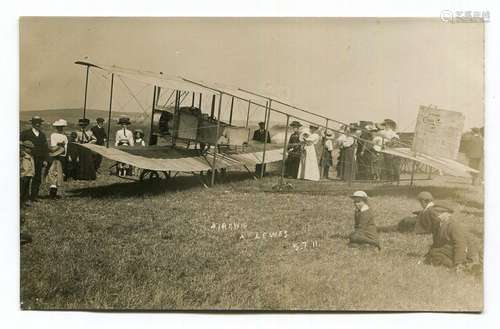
359	195
36	119
83	122
123	120
60	123
295	124
370	127
99	120
139	131
391	123
28	144
56	150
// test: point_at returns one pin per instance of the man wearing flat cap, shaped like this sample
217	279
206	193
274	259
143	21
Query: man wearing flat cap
40	153
260	136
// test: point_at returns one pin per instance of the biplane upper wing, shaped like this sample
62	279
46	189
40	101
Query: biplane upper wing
152	78
168	159
448	166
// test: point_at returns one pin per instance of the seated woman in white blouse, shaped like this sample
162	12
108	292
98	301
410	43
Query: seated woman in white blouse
124	137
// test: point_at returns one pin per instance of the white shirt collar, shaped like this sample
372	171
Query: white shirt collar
36	132
430	204
364	208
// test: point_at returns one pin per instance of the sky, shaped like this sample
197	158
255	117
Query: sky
346	69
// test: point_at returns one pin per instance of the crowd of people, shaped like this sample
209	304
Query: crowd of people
357	152
58	158
452	245
353	154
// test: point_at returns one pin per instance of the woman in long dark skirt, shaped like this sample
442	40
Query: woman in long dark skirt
294	152
86	161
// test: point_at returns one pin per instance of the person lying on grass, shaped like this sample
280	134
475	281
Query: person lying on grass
421	218
365	230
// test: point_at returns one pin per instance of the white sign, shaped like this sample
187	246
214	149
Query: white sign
438	132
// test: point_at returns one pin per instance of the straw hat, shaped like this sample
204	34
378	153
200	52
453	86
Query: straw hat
55	150
391	123
139	131
60	123
28	144
370	127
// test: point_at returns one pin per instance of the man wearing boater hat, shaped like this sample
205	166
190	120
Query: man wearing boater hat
40	153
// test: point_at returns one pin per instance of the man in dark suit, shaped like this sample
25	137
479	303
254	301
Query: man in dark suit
40	153
260	136
101	138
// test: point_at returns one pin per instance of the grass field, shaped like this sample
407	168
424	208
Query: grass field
113	244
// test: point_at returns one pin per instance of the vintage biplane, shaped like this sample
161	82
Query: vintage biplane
191	139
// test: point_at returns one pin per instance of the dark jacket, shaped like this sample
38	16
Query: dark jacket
364	223
41	149
99	134
426	218
258	135
475	147
450	234
294	147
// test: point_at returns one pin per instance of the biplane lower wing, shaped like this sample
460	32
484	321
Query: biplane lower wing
168	159
448	166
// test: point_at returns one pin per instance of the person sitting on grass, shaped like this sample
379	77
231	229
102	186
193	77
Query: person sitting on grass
124	137
365	230
452	247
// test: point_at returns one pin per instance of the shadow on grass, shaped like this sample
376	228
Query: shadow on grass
154	187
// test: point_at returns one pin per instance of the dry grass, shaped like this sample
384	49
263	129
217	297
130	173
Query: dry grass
111	244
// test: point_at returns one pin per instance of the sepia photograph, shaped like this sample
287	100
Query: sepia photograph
252	163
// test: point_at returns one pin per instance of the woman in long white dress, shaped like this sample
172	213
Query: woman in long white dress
308	167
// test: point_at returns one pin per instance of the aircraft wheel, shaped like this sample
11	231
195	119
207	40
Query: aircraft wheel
149	175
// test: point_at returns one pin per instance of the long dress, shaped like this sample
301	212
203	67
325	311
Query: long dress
86	161
293	159
308	167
